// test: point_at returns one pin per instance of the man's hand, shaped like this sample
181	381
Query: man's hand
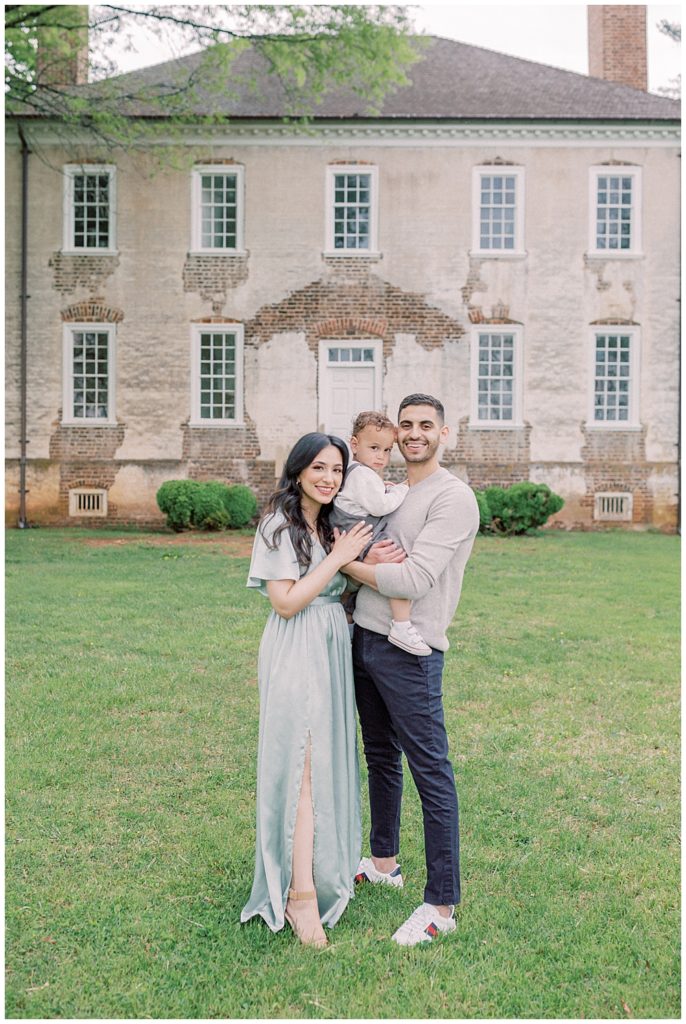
383	552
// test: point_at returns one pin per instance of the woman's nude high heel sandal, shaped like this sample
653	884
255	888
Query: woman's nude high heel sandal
308	935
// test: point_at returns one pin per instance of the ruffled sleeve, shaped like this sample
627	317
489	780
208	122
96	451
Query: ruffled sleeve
281	563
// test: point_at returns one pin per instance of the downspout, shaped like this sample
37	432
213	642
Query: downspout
22	523
678	437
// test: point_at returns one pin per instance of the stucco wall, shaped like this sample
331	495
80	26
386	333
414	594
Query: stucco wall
426	289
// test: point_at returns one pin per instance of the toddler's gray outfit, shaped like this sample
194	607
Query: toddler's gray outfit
364	496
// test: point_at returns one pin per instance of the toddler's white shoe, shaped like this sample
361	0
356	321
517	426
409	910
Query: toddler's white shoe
366	872
404	635
423	925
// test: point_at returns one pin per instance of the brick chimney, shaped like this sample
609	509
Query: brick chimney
62	54
617	47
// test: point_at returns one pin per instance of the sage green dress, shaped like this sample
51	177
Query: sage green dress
305	680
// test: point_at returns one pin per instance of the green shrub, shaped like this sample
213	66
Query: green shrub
519	508
241	505
206	505
209	509
485	514
176	498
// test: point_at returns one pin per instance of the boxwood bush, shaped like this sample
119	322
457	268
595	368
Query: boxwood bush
176	498
206	505
517	509
241	504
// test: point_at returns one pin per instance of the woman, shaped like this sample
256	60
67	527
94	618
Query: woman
308	821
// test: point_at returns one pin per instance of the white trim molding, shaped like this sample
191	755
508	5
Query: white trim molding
68	246
504	171
632	422
329	245
467	132
634	172
237	331
517	333
68	417
196	209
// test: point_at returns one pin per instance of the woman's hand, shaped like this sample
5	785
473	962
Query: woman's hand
351	543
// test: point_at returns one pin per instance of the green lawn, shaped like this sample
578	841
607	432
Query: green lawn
131	736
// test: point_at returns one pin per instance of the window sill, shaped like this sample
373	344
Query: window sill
217	252
495	425
214	424
89	252
499	254
90	422
364	254
613	426
613	254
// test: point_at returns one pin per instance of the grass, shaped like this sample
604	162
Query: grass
132	729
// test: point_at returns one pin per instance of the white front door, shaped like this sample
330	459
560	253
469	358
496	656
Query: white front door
349	382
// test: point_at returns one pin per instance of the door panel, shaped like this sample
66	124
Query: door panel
350	389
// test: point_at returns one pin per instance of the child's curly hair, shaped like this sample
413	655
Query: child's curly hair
371	419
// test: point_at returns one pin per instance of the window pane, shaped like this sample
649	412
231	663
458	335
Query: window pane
612	377
91	211
613	204
497	212
495	376
218	211
352	211
217	375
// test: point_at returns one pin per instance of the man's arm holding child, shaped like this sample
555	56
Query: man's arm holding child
451	522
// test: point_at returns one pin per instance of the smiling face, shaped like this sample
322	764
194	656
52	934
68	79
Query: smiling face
420	432
372	446
322	479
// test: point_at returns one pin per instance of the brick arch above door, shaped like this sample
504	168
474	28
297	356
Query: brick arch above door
333	306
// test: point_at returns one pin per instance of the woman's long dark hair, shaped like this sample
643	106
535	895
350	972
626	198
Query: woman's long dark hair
287	497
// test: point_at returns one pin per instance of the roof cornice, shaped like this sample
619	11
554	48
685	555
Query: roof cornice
388	132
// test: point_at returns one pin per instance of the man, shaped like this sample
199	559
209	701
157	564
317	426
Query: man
399	696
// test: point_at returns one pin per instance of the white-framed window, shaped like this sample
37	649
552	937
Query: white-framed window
498	211
217	375
89	377
615	375
615	211
217	208
90	208
352	203
496	359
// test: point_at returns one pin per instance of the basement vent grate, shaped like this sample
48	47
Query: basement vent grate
613	507
86	501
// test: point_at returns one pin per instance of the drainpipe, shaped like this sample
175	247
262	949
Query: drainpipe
22	523
678	438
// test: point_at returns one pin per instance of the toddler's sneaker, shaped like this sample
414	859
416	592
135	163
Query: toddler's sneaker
366	872
404	635
423	925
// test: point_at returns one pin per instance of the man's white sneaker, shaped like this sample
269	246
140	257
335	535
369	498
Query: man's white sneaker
423	925
405	636
366	872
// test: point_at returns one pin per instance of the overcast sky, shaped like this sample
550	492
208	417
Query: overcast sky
549	33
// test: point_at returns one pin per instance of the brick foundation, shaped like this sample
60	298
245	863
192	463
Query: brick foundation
85	456
615	460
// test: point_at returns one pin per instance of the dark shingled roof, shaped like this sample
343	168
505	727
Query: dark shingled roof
451	80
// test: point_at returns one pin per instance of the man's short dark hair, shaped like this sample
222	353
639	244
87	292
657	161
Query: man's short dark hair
423	400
